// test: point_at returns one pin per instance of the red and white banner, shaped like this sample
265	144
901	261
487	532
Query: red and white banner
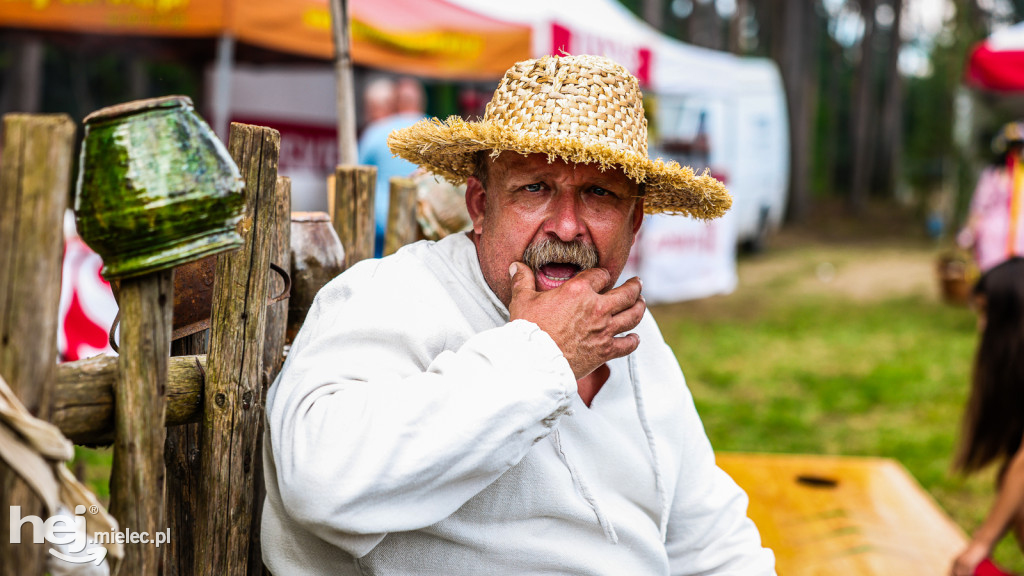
87	305
679	258
636	58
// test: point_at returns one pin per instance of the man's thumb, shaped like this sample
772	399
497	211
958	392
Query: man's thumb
522	277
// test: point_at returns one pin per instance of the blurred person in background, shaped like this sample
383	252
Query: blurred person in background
995	225
380	100
409	101
993	422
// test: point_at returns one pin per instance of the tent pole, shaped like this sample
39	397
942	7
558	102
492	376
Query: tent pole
347	153
222	86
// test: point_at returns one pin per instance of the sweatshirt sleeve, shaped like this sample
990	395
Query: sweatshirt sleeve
380	426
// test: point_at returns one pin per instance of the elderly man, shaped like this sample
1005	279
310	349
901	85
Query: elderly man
494	403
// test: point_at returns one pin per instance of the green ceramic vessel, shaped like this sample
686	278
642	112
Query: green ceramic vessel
156	188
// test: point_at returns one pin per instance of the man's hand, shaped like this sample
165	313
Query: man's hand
578	317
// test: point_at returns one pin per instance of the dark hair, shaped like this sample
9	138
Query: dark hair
994	419
1012	148
481	166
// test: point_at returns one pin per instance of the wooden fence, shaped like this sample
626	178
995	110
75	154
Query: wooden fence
185	417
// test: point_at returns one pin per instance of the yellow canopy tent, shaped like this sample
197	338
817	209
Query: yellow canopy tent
424	37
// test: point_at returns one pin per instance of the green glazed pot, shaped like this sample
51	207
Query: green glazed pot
156	188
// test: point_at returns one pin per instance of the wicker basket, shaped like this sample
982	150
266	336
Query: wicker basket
956	278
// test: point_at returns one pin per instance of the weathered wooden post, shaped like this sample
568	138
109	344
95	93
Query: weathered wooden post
273	358
277	312
233	409
156	190
34	186
354	188
402	226
137	474
182	460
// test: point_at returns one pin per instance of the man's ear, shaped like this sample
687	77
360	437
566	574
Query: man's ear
476	201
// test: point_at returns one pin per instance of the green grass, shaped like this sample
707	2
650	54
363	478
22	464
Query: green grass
784	366
92	465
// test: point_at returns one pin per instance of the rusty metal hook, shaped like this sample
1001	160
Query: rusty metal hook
286	292
113	330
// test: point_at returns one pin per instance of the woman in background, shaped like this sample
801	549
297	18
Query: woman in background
995	225
993	422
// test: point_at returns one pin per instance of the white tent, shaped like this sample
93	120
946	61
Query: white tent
579	27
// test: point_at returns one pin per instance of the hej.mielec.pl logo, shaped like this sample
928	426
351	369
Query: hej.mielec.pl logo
69	533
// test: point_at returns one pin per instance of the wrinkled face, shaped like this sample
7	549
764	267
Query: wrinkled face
531	203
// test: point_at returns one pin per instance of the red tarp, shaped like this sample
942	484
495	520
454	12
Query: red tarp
997	64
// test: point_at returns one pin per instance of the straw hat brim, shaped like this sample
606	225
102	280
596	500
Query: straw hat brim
449	147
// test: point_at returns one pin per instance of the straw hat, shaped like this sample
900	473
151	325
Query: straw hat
582	109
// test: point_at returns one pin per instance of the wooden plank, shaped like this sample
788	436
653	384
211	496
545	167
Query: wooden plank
35	180
354	188
83	397
273	357
277	312
402	228
844	515
183	465
233	406
137	474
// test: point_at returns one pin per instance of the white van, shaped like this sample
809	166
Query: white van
738	127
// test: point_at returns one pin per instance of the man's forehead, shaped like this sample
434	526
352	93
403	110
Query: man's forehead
512	164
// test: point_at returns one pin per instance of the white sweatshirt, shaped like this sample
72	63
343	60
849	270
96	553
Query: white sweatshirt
415	430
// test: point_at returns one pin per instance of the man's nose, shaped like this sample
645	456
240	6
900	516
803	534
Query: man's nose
564	220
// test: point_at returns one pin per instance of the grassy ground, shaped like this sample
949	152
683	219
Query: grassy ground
837	342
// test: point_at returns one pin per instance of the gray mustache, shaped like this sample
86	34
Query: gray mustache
544	252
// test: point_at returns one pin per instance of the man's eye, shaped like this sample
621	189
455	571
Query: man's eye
533	187
598	191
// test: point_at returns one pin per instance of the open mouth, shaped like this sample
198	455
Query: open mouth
559	271
555	262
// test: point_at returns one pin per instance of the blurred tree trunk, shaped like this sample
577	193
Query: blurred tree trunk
863	113
833	131
736	42
653	13
795	44
774	17
704	26
891	141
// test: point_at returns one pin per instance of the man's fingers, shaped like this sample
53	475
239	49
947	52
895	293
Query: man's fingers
629	318
597	278
624	345
522	278
625	296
